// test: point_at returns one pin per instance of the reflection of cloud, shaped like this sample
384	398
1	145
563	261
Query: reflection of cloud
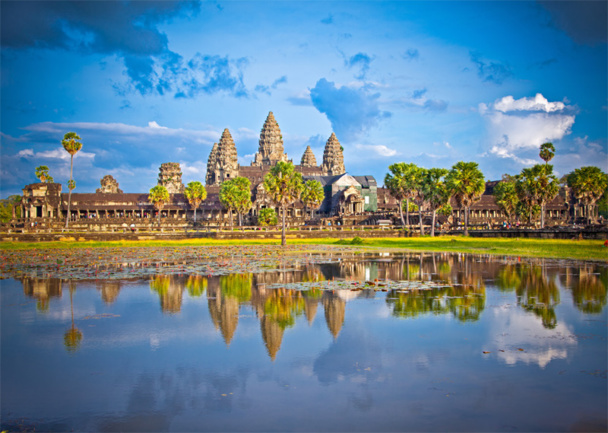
517	329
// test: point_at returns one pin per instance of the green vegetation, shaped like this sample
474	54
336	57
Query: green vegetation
159	197
235	195
42	173
564	249
9	208
403	183
589	185
466	183
195	192
312	194
72	145
267	217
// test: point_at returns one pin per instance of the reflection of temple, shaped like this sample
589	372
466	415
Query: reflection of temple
224	310
109	290
42	289
335	308
170	289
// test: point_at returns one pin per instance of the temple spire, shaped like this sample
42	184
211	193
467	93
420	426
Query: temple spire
308	159
270	150
333	157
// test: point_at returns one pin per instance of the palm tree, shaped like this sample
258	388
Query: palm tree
435	191
159	197
418	195
537	185
195	192
547	152
235	195
283	185
312	194
588	186
505	196
73	336
72	145
42	173
467	184
267	217
403	184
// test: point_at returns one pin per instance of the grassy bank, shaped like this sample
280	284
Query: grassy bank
565	249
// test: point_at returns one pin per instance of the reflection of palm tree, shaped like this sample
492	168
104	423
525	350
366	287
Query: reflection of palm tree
196	285
169	291
73	336
589	292
237	286
417	302
508	278
538	294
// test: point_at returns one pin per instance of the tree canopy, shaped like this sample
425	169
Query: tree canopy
466	183
195	192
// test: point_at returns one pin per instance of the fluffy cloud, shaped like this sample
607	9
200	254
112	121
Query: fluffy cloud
517	127
351	110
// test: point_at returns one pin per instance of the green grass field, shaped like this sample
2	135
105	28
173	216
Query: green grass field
564	249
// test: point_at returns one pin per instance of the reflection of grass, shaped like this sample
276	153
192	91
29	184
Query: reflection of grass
584	249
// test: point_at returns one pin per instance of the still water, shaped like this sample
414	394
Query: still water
329	341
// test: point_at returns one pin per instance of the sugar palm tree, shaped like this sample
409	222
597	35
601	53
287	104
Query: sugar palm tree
159	197
547	152
312	194
195	192
267	217
466	183
505	196
71	143
435	191
283	185
588	186
537	185
403	182
42	173
235	195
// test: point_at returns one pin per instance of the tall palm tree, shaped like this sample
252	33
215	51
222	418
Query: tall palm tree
42	173
547	152
159	197
588	186
71	143
537	185
506	196
467	184
235	195
403	182
435	191
283	185
312	194
195	192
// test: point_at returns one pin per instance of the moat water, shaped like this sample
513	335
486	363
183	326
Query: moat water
329	341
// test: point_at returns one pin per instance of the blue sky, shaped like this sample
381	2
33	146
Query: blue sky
432	83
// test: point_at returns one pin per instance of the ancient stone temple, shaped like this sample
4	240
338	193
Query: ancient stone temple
271	144
333	158
223	160
170	176
308	159
109	185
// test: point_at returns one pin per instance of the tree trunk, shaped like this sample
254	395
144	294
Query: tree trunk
407	211
158	217
194	215
240	219
67	218
433	223
283	242
542	216
466	221
401	212
420	217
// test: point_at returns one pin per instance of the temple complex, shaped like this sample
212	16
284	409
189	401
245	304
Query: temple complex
352	199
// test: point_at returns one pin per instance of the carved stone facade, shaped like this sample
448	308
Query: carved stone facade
308	159
223	160
333	157
170	176
271	144
109	185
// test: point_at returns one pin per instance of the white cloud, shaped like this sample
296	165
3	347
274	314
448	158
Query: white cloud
378	149
58	153
153	124
25	153
518	126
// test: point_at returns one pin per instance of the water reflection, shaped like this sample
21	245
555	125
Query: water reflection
460	290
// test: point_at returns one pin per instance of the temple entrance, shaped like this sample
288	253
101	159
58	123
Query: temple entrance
39	212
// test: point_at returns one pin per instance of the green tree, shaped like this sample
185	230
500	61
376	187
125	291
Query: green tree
235	195
588	185
267	217
466	183
547	152
418	195
537	185
312	195
159	197
42	173
195	192
71	143
505	196
403	183
283	185
435	191
10	209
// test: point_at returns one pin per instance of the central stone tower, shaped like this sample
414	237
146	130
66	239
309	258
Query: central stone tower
223	161
271	144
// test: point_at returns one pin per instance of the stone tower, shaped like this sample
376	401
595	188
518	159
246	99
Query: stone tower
333	158
109	185
211	165
308	159
271	144
170	176
223	160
